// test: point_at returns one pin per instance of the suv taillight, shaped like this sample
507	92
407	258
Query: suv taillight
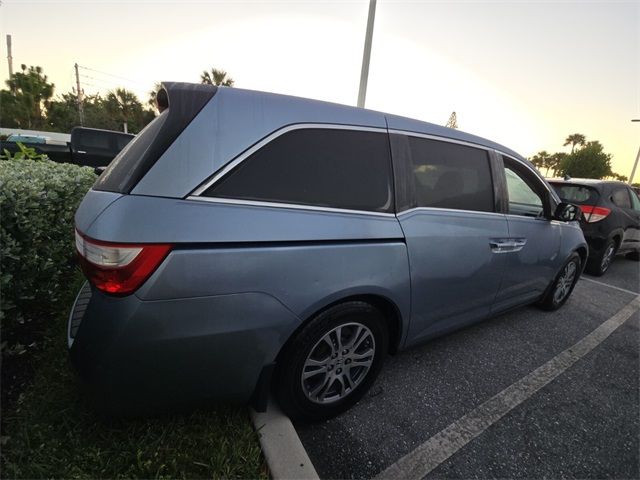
594	214
118	268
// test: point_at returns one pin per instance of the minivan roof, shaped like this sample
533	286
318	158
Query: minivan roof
394	122
235	119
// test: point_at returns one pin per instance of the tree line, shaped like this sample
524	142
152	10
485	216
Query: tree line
28	102
587	159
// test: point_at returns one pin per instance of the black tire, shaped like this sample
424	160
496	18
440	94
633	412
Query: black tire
635	256
553	299
293	393
600	263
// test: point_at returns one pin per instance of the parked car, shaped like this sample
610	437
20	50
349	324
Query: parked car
94	147
611	220
39	139
91	147
246	241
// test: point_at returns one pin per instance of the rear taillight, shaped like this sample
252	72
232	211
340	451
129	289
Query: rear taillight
594	214
118	268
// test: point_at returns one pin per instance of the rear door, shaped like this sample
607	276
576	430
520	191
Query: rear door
533	261
446	206
629	217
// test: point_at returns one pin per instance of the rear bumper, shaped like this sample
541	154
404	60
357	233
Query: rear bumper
137	355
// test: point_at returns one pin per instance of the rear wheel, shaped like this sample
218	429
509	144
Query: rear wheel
600	263
563	284
331	362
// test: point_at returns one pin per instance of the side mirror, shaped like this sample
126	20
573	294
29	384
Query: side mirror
98	170
567	212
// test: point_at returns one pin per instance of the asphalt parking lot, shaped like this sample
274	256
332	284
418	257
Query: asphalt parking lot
583	423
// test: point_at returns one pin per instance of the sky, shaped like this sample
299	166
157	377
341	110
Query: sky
522	73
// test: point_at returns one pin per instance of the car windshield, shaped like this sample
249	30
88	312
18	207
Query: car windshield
580	194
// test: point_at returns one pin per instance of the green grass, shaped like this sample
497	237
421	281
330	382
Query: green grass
51	432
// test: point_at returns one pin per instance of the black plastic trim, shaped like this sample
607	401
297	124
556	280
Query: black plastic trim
260	397
285	243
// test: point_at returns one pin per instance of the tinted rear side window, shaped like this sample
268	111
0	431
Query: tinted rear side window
448	175
334	168
579	194
621	198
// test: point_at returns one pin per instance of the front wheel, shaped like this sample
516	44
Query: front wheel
562	286
331	363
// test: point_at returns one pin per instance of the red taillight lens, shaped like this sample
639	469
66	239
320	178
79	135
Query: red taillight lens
594	214
118	268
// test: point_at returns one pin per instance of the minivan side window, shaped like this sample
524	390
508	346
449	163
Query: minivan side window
449	175
523	197
336	168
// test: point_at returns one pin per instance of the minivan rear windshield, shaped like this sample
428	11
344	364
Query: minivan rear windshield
126	164
580	194
185	100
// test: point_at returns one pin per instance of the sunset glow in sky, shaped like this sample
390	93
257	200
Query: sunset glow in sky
525	74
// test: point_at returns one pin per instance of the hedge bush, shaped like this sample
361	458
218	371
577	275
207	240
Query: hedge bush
38	199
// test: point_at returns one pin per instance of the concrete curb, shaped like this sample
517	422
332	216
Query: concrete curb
282	448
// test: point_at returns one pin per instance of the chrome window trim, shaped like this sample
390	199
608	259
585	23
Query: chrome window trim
441	139
526	218
537	174
448	210
269	138
257	203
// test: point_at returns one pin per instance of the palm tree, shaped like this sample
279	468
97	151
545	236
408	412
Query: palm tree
124	103
555	162
216	77
575	139
541	160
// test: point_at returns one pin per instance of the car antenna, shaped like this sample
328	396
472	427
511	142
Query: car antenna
567	177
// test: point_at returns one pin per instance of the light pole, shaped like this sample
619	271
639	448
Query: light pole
366	56
635	164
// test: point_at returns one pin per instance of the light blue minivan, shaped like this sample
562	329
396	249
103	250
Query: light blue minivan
247	242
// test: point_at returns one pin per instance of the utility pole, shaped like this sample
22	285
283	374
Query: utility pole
10	61
79	97
635	164
366	56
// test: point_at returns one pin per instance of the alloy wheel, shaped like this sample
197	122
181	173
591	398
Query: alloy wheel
607	258
565	282
338	363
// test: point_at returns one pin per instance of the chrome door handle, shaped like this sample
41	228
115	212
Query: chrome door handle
505	245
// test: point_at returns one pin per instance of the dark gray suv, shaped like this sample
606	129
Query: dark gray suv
246	241
610	221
